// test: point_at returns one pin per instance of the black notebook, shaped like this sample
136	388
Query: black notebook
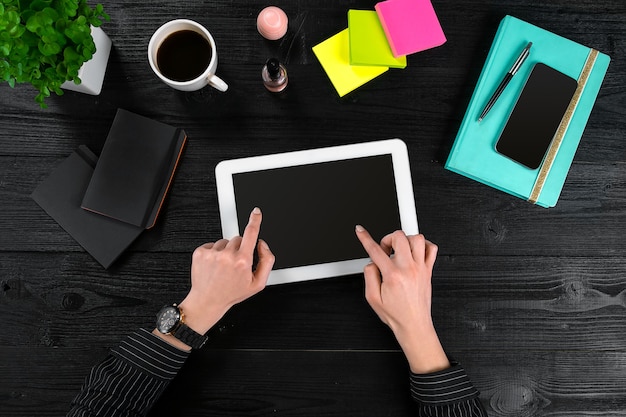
135	169
60	195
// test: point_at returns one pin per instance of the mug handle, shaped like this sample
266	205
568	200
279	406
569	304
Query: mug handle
217	83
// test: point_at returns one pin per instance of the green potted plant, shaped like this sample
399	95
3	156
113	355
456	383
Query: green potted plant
46	42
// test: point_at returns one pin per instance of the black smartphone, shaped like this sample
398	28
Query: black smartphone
536	116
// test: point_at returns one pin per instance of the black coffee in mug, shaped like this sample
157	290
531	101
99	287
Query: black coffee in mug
184	55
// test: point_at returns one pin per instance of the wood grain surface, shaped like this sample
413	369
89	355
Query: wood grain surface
531	301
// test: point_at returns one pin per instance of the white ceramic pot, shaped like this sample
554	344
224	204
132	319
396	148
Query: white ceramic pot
92	72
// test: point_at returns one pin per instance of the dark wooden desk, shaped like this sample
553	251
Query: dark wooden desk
532	301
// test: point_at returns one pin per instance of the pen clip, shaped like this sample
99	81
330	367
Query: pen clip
520	59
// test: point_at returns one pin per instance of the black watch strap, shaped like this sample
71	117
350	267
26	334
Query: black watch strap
189	337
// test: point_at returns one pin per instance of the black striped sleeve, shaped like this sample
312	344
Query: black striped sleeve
131	379
448	393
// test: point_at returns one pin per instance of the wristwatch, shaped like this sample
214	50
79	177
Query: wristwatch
171	321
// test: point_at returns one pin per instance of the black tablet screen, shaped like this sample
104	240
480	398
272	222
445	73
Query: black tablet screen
309	211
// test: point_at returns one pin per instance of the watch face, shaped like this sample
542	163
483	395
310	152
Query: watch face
167	319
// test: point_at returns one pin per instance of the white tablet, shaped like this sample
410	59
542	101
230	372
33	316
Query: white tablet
312	200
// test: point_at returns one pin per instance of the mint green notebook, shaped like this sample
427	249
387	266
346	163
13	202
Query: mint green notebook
473	153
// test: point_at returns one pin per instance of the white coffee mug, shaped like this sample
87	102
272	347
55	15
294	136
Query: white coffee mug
207	77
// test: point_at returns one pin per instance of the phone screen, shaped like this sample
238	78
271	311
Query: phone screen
536	116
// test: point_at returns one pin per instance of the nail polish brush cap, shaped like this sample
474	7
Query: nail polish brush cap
273	68
272	23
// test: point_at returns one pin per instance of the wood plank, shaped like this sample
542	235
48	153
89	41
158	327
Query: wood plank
483	302
329	383
481	221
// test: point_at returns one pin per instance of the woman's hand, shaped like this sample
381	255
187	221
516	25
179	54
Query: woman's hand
398	288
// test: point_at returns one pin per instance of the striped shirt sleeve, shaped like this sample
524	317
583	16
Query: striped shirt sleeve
131	379
448	393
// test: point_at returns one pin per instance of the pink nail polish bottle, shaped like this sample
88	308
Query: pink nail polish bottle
274	76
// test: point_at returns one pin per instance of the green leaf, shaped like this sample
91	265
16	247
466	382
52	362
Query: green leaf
5	70
60	25
61	71
26	14
16	31
50	15
49	49
51	74
13	17
39	5
78	33
39	98
34	23
70	54
72	72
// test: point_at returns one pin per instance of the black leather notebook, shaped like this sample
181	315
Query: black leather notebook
135	169
60	195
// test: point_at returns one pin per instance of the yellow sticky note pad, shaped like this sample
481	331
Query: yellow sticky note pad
334	55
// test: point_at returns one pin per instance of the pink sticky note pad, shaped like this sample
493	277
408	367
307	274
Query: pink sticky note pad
410	25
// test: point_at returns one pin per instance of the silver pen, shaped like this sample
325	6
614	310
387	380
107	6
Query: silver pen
505	81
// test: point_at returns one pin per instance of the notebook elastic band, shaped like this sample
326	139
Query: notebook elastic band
546	165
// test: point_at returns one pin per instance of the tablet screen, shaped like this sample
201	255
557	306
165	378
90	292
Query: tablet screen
309	211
